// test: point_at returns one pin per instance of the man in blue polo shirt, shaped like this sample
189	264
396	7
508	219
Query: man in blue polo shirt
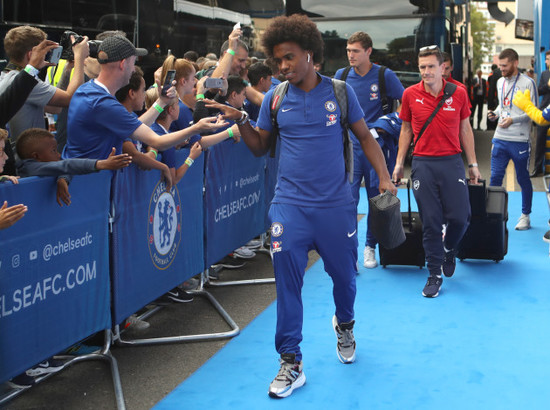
313	207
97	121
363	77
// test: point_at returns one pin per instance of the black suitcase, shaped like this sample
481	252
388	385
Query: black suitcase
410	252
487	235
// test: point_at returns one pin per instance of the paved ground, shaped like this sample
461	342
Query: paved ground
148	373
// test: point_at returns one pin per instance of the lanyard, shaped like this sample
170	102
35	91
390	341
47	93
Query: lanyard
510	90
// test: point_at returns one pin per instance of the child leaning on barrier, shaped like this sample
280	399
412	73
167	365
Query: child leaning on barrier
8	215
38	156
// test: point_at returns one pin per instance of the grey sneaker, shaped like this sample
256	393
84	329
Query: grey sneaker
291	376
135	323
369	258
345	348
431	290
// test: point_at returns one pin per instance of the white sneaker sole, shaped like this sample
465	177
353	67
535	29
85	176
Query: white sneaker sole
300	381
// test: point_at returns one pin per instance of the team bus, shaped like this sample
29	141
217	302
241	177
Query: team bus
398	29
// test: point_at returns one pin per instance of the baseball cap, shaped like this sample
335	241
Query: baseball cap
116	48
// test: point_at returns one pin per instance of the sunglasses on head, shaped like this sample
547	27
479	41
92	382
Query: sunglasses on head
434	47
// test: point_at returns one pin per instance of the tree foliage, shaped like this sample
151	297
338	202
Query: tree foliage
483	35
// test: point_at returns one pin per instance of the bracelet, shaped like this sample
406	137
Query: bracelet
31	70
154	151
230	132
189	161
199	97
158	107
244	118
472	165
231	51
155	85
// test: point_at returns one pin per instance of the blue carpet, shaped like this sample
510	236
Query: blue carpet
482	344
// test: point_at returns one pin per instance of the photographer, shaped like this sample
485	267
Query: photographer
18	44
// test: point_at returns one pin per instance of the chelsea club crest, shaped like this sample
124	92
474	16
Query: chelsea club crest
164	225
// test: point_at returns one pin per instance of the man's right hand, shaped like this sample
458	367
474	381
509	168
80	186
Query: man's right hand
234	38
38	54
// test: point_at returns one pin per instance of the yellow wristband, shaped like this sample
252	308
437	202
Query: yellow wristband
158	108
199	97
230	132
231	51
189	161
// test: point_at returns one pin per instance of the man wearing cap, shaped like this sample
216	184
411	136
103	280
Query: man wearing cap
98	122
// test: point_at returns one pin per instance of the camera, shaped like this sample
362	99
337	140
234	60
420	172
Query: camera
67	45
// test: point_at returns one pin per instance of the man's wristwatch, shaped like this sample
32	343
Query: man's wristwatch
244	118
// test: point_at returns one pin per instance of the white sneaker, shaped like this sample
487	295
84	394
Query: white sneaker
369	257
524	223
244	253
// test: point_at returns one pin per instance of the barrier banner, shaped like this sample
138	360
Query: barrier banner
54	270
157	240
235	198
271	172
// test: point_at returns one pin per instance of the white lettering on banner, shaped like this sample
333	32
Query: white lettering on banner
234	207
47	287
70	244
249	180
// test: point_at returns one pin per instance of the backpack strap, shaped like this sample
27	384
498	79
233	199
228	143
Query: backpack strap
386	109
449	90
341	94
276	100
345	73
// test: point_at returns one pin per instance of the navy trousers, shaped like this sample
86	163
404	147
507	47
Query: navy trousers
440	188
295	230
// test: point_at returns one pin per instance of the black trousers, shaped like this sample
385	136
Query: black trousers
477	104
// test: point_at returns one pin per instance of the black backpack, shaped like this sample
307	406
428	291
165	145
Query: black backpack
386	108
341	93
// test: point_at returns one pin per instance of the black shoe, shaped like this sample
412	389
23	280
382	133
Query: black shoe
431	290
535	173
179	296
21	381
546	237
449	263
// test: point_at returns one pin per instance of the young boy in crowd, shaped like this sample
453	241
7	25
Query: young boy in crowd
37	150
12	214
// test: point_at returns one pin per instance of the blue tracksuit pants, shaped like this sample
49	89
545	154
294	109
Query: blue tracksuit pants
295	230
519	153
441	192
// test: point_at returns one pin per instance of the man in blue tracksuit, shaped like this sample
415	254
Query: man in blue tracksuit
313	207
363	77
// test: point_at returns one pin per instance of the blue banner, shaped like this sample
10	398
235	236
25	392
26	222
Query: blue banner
157	238
235	198
54	270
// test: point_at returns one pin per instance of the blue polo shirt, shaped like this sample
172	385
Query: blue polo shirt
185	119
368	89
311	166
96	123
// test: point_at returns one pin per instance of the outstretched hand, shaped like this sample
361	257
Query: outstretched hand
212	123
229	112
12	214
114	162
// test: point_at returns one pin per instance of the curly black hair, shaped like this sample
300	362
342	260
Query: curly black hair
298	29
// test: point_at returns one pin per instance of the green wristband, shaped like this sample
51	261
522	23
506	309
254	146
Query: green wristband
189	161
158	108
231	51
230	132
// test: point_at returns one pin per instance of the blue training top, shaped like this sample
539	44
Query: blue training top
97	122
311	166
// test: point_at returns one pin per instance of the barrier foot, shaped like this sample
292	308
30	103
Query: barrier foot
104	355
235	330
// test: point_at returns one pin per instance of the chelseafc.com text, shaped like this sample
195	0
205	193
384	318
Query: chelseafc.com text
51	286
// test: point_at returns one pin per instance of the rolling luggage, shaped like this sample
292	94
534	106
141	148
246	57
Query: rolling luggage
487	235
410	252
